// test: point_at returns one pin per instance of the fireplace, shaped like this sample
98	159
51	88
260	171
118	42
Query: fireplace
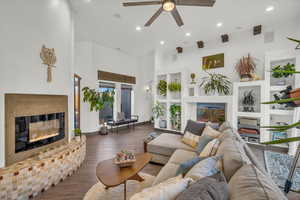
38	130
34	123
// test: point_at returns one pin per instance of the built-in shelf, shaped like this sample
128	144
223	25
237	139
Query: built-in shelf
278	88
281	112
250	114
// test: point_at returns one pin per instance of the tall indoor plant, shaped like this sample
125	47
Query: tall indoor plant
158	113
175	111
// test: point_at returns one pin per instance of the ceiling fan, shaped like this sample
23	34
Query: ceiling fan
170	6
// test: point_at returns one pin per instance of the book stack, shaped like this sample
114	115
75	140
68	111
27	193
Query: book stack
248	129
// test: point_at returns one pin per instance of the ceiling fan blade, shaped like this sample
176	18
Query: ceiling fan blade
154	17
208	3
177	17
145	3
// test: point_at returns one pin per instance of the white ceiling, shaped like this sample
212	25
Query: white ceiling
96	21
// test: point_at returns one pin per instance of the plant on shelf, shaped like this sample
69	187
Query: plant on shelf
175	111
216	83
158	113
174	86
97	100
162	87
246	68
283	71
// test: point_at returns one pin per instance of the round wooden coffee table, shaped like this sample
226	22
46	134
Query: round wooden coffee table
112	175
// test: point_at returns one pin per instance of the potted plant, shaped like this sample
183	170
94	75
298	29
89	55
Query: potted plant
175	111
158	112
77	134
162	87
282	72
98	100
175	88
245	68
216	83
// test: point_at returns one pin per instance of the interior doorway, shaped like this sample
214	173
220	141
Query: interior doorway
77	90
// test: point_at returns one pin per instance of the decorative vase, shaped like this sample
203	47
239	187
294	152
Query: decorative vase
193	76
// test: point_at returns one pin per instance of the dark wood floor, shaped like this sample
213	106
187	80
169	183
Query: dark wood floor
105	147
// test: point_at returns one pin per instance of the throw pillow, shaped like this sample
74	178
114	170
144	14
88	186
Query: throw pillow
186	166
224	126
167	190
204	168
203	141
209	188
209	131
190	139
211	148
250	183
194	127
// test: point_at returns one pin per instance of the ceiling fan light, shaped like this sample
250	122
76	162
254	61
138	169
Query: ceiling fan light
168	5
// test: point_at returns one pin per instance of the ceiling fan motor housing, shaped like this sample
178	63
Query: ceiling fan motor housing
168	5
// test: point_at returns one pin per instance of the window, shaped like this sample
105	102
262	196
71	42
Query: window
107	113
126	96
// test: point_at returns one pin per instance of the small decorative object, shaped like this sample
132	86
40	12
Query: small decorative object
49	58
125	159
179	49
200	44
212	62
77	134
225	38
174	86
245	67
286	95
216	83
158	112
297	41
103	128
248	101
162	87
175	111
257	30
193	76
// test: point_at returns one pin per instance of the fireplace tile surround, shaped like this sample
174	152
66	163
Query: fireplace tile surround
34	108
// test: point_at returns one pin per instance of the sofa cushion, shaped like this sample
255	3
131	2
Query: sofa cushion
209	131
166	144
167	190
234	157
204	168
180	156
168	171
209	188
250	183
187	165
190	139
194	127
203	141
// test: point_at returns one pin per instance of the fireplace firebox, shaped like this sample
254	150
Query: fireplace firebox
38	130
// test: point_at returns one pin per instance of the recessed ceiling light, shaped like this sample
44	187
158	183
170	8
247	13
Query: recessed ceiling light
220	24
188	34
162	42
87	1
270	8
138	28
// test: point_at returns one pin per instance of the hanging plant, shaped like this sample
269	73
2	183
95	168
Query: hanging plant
216	83
245	67
283	71
174	87
162	87
97	100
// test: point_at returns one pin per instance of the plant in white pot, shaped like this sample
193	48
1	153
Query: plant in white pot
158	112
216	83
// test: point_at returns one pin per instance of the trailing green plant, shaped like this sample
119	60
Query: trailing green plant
174	87
158	110
216	83
175	111
162	87
283	71
295	40
97	100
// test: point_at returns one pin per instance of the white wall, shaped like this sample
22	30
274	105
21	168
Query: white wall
240	44
91	57
25	27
